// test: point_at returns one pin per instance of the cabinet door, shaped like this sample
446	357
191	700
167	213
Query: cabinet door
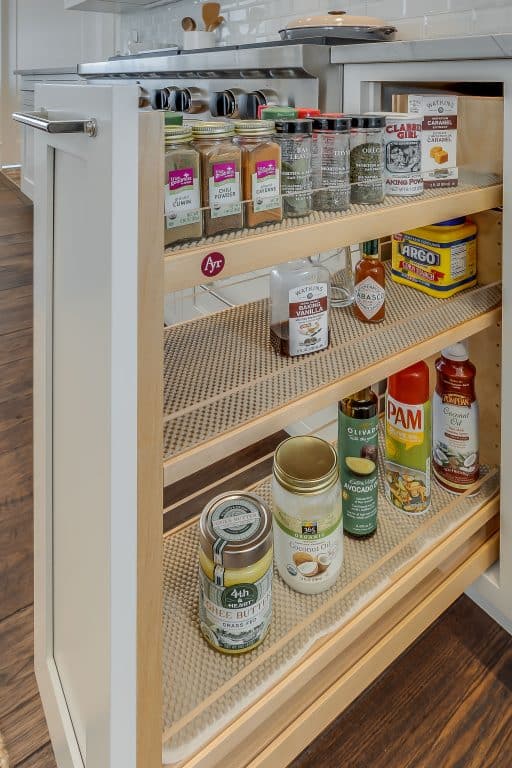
92	411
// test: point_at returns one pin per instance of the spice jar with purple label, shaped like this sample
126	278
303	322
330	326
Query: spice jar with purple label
261	171
182	192
221	186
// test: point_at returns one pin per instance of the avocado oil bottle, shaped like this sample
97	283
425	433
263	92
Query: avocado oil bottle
358	424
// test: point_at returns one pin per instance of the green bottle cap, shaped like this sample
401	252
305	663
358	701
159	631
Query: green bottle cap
173	118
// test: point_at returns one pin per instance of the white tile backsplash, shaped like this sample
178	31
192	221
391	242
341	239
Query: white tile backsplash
260	20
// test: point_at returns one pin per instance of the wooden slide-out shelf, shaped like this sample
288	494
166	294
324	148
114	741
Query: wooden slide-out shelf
260	709
225	387
248	250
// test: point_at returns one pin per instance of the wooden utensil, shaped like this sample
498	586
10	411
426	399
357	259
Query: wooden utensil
210	12
188	24
218	21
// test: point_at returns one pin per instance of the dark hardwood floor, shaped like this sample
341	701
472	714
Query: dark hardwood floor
445	703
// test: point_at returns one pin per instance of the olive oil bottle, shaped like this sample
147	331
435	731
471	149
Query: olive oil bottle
358	424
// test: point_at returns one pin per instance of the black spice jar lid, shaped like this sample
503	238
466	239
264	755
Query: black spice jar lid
294	126
368	121
331	123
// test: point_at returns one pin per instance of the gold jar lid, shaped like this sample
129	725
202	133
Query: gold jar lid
306	464
177	134
254	127
235	529
206	128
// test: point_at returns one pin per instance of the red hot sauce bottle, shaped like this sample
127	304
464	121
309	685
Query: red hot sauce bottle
369	281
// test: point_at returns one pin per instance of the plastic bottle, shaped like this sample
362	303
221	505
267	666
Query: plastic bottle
455	459
408	439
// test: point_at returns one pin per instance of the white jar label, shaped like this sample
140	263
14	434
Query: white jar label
224	188
265	186
237	617
311	551
182	204
455	439
369	296
308	318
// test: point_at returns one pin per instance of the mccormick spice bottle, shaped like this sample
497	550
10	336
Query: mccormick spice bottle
183	219
367	158
221	163
261	171
455	424
370	280
294	137
299	298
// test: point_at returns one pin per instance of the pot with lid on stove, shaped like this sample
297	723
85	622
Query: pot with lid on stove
340	25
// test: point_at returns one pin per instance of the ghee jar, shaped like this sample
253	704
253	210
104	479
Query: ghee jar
439	259
235	572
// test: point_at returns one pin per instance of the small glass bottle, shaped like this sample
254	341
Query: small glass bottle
261	171
294	137
221	183
367	159
299	298
182	220
370	285
331	163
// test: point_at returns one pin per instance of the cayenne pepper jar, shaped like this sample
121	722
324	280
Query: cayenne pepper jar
369	279
261	171
455	420
221	163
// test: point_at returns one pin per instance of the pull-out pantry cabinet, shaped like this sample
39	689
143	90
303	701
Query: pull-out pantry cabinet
124	674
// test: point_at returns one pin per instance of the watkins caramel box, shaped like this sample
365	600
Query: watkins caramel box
439	135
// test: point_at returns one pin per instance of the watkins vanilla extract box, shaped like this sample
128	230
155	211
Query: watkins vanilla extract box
438	136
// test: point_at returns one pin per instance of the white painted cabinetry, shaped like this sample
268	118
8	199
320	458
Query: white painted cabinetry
106	6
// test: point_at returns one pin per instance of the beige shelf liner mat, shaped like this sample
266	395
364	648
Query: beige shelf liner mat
468	181
204	690
220	371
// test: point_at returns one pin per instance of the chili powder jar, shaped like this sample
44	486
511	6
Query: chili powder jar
221	162
261	171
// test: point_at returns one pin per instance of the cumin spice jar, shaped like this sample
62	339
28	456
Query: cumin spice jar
235	571
183	219
221	187
261	171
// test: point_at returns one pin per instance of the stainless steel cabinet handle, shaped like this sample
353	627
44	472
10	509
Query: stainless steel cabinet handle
41	121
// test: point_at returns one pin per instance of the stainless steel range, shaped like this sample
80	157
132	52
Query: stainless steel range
230	81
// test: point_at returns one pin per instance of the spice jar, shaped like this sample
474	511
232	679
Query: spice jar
183	220
294	137
331	163
367	158
299	307
261	171
220	176
235	574
308	526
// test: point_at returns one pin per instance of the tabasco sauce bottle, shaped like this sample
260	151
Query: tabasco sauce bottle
369	280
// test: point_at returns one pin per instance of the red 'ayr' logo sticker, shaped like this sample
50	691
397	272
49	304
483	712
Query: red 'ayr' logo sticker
212	264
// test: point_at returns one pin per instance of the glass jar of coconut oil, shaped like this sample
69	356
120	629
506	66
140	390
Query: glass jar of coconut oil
308	526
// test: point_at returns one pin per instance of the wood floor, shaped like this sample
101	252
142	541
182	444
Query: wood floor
445	703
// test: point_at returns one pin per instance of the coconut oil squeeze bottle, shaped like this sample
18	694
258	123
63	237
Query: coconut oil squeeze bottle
408	439
358	424
455	420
